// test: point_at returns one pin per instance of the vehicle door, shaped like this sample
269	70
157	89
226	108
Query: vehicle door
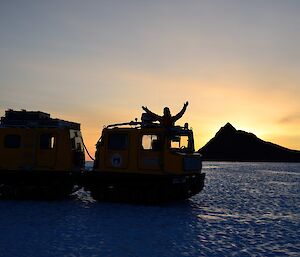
118	144
47	146
151	152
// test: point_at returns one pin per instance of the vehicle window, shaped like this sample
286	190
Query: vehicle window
12	141
178	142
76	140
47	141
118	141
151	142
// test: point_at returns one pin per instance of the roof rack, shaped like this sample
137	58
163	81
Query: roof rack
34	119
148	125
131	123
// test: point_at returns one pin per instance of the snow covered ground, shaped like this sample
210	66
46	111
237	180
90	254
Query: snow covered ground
246	209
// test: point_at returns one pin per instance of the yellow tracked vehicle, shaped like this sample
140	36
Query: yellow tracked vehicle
145	162
39	156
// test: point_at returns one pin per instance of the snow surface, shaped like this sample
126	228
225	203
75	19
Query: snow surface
246	209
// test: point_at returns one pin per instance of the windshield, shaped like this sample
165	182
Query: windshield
182	143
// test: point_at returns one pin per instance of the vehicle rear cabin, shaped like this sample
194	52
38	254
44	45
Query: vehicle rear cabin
39	154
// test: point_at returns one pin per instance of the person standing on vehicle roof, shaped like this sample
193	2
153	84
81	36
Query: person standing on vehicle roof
167	120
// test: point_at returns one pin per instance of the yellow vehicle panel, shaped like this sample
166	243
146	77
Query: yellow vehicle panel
142	151
35	149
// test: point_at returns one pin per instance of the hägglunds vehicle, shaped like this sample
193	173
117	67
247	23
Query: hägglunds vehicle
39	155
145	162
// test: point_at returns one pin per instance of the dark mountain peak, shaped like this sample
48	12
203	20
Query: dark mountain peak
228	129
237	145
229	126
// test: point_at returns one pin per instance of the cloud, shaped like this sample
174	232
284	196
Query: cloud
292	118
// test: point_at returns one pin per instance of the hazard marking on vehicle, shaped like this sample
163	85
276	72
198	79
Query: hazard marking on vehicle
116	160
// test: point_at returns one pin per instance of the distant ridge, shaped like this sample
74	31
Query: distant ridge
230	144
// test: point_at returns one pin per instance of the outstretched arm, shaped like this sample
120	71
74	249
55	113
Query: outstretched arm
154	115
180	114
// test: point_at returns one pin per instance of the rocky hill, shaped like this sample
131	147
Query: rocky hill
230	144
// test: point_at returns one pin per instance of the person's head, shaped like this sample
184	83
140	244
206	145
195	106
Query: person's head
167	111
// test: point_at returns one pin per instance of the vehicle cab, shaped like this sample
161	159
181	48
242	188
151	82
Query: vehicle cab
139	156
147	150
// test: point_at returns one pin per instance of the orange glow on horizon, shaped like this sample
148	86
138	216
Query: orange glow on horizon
97	64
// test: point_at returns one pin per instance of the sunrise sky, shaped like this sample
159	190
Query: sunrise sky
98	62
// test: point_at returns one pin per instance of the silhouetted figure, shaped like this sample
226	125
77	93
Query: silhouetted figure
167	120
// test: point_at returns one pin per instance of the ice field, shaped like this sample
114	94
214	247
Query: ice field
245	209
